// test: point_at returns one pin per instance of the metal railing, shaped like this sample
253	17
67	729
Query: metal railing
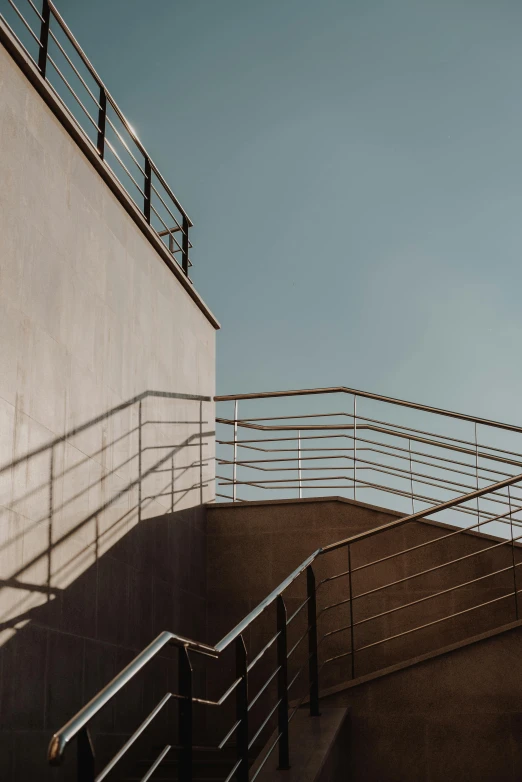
411	457
47	40
353	648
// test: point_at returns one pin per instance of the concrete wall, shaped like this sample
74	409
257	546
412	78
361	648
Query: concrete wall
252	547
91	322
454	717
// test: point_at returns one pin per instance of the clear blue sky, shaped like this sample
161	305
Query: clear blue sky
354	172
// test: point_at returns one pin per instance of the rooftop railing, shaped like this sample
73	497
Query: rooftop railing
49	43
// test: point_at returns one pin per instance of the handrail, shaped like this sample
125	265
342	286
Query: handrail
423	513
238	629
144	201
121	116
369	395
62	737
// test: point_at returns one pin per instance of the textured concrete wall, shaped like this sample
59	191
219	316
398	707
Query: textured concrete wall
454	717
251	548
91	319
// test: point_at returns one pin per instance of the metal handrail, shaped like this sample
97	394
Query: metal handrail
150	171
293	447
128	127
77	723
369	395
63	736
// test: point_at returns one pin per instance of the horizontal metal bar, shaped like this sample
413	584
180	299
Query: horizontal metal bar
119	113
35	9
430	597
234	769
371	428
263	688
368	395
122	140
294	647
271	749
230	732
261	653
297	611
74	42
26	23
228	692
428	542
156	763
164	224
436	621
432	569
333	605
447	438
80	104
179	227
390	446
441	482
299	672
339	656
335	632
360	484
78	74
333	578
393	426
62	737
423	513
238	629
137	733
122	164
263	724
386	469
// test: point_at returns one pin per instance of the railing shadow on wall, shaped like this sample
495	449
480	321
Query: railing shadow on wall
102	547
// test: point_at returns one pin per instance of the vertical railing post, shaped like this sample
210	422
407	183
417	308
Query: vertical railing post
313	663
513	560
185	715
185	246
242	710
282	685
352	634
299	463
85	757
477	473
140	458
147	190
172	484
411	478
102	116
234	468
44	37
354	444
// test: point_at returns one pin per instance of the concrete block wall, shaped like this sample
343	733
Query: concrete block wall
101	481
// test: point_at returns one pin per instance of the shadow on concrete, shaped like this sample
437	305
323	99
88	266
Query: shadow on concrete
102	547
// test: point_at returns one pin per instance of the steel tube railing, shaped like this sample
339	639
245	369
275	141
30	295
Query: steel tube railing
471	456
186	698
50	18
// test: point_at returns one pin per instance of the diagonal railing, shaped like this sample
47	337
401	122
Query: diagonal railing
355	648
44	37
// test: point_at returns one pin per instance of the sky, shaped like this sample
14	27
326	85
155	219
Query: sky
353	169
